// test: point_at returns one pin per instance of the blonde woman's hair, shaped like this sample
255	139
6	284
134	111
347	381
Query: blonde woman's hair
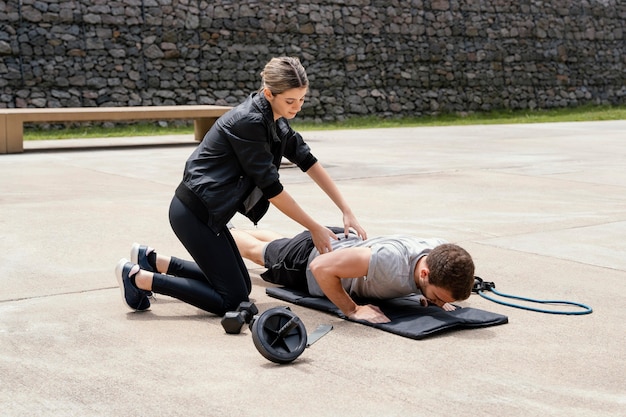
282	74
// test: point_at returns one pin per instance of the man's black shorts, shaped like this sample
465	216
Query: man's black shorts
286	260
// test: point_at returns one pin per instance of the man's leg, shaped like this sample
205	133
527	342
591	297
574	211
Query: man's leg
264	235
251	243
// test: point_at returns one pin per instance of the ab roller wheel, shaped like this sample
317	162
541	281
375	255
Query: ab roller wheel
279	335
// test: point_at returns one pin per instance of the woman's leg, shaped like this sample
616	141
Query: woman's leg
250	244
197	293
226	280
182	268
149	260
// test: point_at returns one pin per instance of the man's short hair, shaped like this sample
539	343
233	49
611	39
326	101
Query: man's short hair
452	268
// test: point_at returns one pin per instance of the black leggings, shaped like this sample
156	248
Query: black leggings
218	280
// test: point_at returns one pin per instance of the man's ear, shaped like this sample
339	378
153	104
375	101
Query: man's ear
424	274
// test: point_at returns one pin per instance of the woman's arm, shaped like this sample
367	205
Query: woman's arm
321	235
325	182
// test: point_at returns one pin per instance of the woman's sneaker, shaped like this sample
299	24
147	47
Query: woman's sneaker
139	255
135	298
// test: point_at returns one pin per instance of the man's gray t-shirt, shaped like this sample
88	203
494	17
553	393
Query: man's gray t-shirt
391	267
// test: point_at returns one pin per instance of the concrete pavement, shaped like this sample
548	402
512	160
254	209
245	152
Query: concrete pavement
541	207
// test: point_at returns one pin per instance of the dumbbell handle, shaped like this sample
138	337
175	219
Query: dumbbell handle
247	315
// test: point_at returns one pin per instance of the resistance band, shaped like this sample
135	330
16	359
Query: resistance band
480	287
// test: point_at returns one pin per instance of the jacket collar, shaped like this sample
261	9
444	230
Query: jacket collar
260	102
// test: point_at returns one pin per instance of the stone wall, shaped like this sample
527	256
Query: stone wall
386	57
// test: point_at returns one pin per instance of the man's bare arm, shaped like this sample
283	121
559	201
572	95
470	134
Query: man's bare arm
329	268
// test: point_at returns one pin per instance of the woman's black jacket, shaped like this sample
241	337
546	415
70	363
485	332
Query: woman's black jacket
235	167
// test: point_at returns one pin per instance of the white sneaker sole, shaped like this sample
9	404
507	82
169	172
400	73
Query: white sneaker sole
134	253
119	269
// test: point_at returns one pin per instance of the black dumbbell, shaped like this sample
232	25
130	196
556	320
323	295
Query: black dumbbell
233	321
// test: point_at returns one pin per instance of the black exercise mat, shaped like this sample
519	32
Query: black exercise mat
408	317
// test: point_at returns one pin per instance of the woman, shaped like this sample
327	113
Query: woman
234	169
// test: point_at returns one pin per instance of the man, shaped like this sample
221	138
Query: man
378	268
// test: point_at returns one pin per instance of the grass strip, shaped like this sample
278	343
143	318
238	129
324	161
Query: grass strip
573	114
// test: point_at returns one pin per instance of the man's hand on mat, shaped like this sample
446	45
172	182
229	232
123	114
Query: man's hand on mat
448	307
370	313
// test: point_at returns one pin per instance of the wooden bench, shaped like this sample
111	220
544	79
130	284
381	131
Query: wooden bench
12	120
